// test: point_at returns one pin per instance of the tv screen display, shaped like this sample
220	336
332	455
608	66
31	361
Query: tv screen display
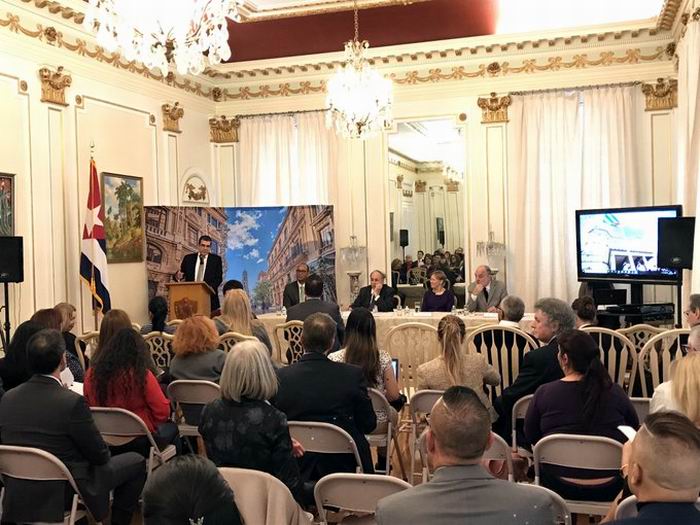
621	244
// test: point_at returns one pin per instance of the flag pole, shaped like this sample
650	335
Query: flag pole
92	266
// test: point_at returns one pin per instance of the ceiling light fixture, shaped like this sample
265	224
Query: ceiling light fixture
159	33
359	98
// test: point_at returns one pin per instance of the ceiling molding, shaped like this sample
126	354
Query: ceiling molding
668	15
251	12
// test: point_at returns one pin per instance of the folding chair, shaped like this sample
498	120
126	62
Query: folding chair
562	514
34	464
228	340
499	450
160	346
119	427
354	493
592	453
519	411
385	434
324	438
188	395
422	402
288	341
628	508
641	406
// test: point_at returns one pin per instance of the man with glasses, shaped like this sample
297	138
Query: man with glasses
295	292
692	313
203	266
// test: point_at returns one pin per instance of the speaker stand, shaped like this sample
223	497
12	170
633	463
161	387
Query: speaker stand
6	326
679	308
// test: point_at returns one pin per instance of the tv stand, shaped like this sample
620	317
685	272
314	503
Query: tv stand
636	293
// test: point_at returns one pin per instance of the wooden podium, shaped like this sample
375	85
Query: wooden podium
186	299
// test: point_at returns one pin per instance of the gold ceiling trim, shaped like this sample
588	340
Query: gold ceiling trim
57	8
315	8
668	14
661	96
51	36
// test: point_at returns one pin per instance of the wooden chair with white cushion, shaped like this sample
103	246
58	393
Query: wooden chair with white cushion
174	322
160	345
656	357
618	354
228	340
592	453
324	438
386	432
354	494
413	344
119	427
422	403
288	341
90	340
37	465
503	347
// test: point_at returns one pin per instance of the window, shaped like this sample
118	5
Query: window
156	218
326	236
154	254
192	236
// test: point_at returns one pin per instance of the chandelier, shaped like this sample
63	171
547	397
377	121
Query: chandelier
158	33
359	98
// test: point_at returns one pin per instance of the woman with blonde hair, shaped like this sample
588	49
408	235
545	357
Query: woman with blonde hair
196	354
242	429
682	392
455	367
237	316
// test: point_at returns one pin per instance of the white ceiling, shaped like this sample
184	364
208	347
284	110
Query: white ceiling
267	9
439	140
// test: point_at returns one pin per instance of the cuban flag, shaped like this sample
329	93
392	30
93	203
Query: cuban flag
93	247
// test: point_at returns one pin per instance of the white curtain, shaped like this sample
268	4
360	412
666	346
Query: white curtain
286	160
688	122
568	150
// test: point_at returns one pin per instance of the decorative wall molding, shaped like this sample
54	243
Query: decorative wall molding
668	14
494	109
194	191
420	186
53	85
171	117
222	129
452	185
57	8
661	96
399	182
408	194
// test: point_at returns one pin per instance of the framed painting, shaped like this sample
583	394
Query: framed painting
122	197
7	205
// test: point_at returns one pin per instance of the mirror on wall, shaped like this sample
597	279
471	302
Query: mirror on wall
427	164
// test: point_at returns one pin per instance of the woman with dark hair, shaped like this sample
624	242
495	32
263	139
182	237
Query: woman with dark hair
189	489
13	367
158	313
584	401
112	322
585	312
52	318
120	378
438	298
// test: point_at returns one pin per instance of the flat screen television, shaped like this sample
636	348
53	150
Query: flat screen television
621	244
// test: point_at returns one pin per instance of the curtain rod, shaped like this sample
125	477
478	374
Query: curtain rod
575	88
290	113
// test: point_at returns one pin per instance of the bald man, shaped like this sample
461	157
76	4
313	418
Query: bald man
485	294
377	295
662	466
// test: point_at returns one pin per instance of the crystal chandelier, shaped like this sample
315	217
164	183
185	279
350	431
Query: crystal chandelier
188	33
359	98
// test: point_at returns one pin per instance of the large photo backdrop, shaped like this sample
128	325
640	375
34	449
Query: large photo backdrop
261	247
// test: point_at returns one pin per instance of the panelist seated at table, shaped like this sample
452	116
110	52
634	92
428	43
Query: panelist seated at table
438	298
377	295
485	294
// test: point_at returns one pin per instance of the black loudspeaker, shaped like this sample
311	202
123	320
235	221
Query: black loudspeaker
403	238
11	260
676	238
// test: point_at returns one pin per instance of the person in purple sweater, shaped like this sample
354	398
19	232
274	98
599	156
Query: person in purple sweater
438	298
584	401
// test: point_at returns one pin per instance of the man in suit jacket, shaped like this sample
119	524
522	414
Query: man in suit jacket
295	292
485	294
539	366
203	266
376	294
318	389
42	413
461	491
314	304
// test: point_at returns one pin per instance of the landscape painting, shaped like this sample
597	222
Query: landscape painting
123	205
7	205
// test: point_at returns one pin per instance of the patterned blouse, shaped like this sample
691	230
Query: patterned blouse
384	364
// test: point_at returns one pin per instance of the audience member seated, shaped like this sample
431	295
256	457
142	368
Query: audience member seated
692	313
51	318
189	490
158	315
42	413
317	389
396	273
68	314
242	429
682	392
585	311
237	316
314	304
295	292
232	284
112	322
455	367
14	369
584	401
419	259
539	366
406	267
485	294
438	298
196	354
120	379
662	467
377	295
461	491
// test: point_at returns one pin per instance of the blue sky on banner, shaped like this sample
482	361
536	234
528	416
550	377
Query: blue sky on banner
251	232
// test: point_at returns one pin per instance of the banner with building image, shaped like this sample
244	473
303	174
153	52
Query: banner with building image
261	247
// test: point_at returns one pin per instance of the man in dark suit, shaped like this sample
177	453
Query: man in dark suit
313	304
295	292
318	389
203	266
42	413
377	294
539	366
